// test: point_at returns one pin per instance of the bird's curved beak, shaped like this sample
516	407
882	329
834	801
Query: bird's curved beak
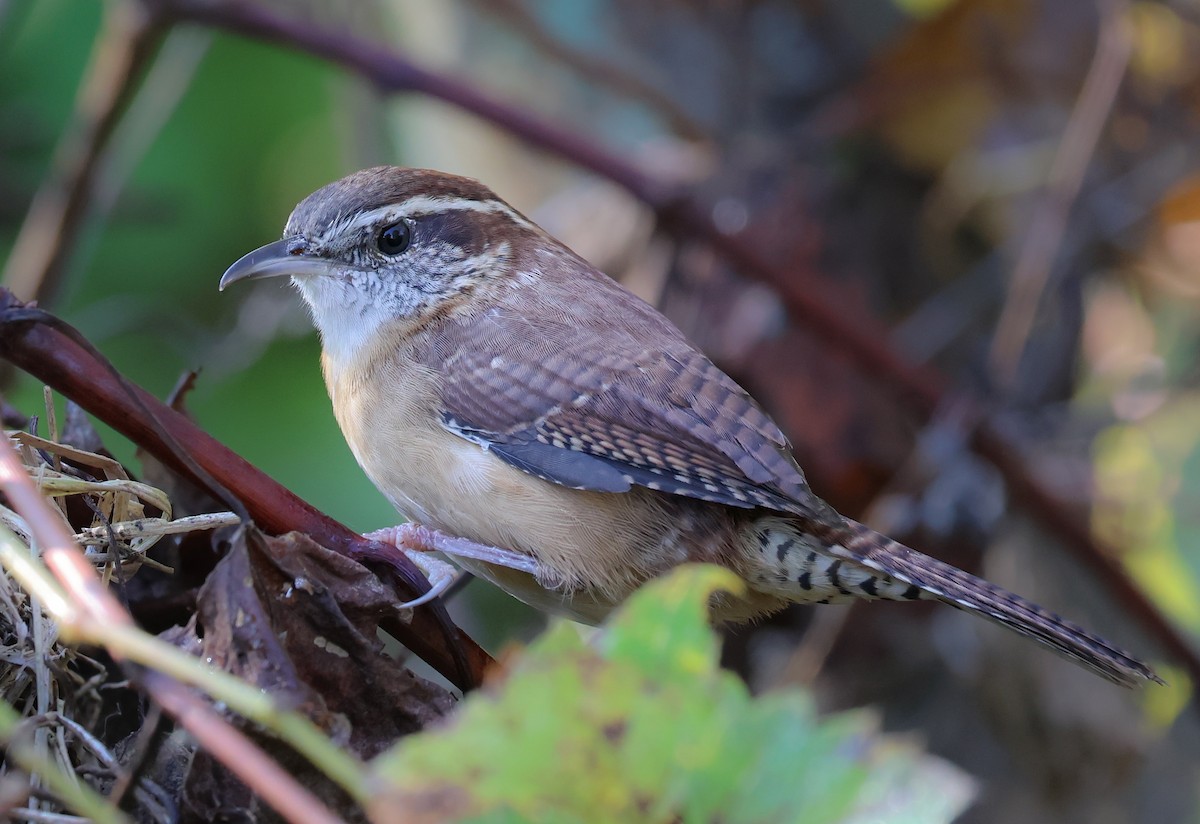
283	257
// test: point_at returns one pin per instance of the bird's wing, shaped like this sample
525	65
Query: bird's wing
636	406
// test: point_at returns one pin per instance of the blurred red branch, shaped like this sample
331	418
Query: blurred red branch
862	337
57	359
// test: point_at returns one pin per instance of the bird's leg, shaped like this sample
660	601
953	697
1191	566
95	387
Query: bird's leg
417	542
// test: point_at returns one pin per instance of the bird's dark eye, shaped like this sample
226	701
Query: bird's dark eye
395	238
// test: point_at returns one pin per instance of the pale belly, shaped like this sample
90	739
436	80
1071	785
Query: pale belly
593	548
500	519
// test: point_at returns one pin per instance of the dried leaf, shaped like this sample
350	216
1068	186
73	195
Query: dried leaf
299	621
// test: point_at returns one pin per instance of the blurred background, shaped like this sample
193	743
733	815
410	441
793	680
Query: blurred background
1003	195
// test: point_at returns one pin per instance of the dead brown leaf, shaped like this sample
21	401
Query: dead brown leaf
299	621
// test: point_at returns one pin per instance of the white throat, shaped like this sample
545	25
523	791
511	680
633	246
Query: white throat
346	318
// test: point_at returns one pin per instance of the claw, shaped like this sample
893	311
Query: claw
417	542
440	574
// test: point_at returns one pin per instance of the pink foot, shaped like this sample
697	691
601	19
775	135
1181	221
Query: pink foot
417	542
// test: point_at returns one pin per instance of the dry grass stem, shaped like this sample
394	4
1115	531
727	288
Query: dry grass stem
57	690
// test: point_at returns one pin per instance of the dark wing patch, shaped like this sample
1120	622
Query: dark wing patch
601	409
568	467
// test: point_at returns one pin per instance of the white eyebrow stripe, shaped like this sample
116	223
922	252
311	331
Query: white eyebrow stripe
423	205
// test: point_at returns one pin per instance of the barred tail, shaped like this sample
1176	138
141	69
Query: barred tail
950	585
815	562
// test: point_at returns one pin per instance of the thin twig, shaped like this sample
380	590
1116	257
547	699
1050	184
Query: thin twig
50	230
1048	221
154	527
166	81
807	660
39	817
76	795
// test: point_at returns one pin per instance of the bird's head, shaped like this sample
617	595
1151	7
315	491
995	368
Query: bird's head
389	244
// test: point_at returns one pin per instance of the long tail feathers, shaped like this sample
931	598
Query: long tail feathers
959	589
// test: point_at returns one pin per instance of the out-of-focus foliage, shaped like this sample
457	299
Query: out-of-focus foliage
639	724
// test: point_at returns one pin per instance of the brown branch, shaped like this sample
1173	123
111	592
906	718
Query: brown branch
98	605
862	337
58	359
52	226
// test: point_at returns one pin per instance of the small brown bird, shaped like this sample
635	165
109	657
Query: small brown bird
495	386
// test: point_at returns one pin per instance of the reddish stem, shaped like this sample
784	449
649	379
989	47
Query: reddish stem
55	358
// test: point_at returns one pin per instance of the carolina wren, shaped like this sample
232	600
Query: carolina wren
495	386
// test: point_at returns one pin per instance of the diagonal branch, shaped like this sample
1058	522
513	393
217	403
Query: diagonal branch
58	359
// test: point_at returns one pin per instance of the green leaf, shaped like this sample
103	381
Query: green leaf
642	725
665	628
